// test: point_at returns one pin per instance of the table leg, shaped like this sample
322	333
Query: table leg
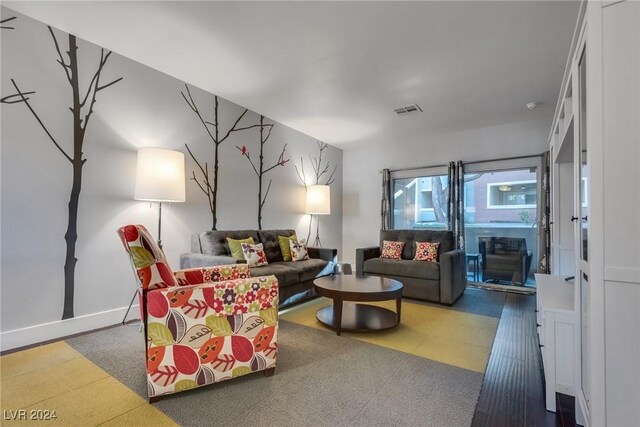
337	315
399	307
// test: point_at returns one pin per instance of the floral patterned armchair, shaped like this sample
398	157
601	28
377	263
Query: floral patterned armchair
201	325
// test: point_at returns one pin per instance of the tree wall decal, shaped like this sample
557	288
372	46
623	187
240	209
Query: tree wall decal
209	184
81	112
4	21
265	133
319	170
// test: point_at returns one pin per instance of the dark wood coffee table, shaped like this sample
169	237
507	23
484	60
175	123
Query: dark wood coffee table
348	316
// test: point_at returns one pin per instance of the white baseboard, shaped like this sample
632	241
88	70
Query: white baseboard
62	328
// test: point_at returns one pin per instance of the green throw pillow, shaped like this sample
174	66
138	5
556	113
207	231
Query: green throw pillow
284	246
235	246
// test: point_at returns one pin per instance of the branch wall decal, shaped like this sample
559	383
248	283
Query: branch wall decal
81	116
209	184
265	133
5	27
319	171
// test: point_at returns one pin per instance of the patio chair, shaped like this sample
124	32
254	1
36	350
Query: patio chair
504	259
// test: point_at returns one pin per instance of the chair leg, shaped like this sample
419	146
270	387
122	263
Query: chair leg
124	319
269	372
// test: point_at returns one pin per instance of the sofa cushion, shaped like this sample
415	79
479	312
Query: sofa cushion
402	267
427	251
391	250
254	254
286	276
235	246
214	242
409	237
311	268
285	247
271	244
298	251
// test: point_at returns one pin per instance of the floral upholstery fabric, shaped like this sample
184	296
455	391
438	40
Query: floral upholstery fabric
298	251
254	254
427	251
202	325
148	259
391	250
198	335
218	273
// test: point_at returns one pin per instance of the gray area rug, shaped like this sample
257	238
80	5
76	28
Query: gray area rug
321	380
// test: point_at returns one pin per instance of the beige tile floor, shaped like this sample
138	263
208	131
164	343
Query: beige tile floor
55	377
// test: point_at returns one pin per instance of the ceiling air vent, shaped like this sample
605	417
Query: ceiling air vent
414	108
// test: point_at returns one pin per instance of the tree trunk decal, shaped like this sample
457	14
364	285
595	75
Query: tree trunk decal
319	170
265	133
209	184
80	123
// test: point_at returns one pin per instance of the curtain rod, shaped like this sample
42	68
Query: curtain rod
416	168
504	158
466	163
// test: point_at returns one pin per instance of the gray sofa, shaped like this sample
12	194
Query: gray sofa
295	279
443	282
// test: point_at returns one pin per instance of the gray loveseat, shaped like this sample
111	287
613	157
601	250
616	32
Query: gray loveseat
295	279
442	281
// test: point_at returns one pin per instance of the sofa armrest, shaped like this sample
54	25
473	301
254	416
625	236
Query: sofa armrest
218	273
453	275
363	254
326	254
193	260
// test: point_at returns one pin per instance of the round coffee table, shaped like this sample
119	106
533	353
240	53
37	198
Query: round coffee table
348	316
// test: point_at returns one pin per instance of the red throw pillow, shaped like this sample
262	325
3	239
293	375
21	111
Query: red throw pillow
391	250
427	251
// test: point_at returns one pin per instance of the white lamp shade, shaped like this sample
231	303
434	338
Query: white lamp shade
318	200
160	175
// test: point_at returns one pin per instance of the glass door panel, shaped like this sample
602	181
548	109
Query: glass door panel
500	214
420	202
584	166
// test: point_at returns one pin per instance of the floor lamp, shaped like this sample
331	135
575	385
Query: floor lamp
159	178
318	203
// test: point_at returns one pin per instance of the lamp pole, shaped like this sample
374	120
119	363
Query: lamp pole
317	243
160	224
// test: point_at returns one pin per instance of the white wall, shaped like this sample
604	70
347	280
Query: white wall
362	165
144	109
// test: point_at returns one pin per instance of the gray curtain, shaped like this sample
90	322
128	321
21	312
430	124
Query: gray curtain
458	229
544	237
451	207
455	210
386	200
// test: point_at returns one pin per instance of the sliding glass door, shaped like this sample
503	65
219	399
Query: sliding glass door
501	200
501	217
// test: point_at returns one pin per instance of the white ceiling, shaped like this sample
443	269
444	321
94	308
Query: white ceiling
337	70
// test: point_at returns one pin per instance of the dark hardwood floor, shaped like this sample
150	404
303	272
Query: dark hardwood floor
513	390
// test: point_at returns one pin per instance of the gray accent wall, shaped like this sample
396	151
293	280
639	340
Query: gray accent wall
145	109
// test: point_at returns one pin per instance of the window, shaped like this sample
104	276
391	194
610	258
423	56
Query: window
420	202
511	195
